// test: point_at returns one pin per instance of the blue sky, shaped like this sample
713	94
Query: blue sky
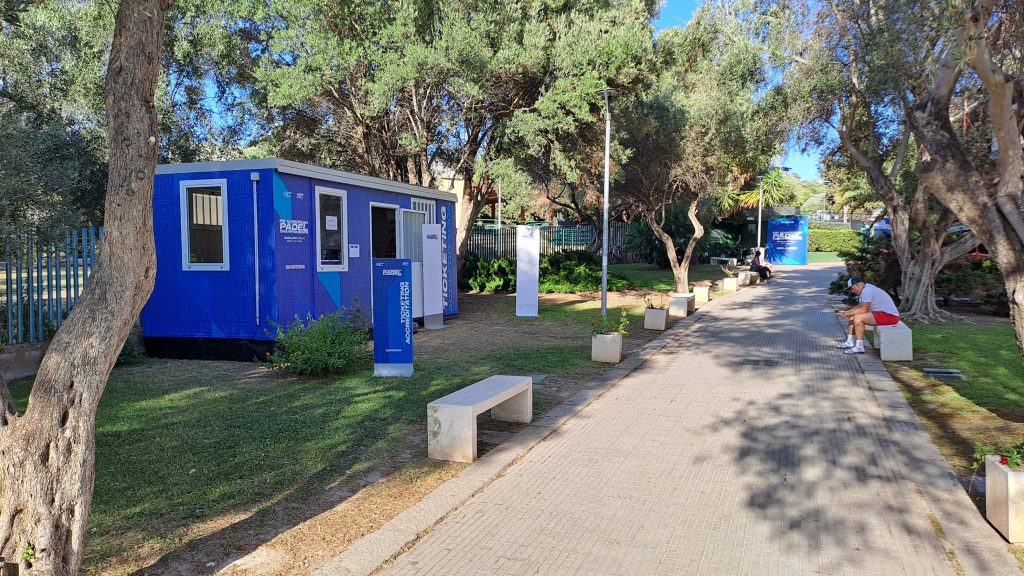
678	13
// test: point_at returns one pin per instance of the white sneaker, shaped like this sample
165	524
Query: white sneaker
853	350
844	346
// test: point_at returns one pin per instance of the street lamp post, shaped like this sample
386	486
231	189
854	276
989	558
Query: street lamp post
760	202
604	230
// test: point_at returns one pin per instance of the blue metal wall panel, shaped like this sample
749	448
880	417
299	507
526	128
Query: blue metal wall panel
187	303
449	267
203	303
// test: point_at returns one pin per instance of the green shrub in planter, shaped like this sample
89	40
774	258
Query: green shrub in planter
331	344
832	240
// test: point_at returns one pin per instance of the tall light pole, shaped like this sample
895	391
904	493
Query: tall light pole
499	206
760	202
604	229
760	199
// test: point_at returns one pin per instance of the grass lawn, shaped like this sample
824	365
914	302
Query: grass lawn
651	277
988	357
197	457
822	257
986	407
180	443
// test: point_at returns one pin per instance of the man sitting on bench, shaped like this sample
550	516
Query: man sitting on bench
876	308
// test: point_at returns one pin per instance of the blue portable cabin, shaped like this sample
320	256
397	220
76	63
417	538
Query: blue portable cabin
244	244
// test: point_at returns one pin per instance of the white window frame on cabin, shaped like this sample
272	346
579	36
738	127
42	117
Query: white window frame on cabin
427	206
342	225
183	188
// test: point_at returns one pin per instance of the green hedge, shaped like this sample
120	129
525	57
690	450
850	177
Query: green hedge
832	240
560	272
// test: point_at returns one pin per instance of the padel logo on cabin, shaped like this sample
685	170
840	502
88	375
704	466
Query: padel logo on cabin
294	226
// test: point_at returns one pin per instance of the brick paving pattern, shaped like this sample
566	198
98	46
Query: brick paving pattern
749	445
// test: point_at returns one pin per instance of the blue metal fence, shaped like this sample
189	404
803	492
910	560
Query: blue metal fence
42	282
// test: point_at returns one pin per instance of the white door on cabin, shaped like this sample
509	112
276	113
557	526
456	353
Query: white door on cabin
412	248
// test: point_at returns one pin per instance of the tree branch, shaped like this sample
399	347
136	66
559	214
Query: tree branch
958	249
900	154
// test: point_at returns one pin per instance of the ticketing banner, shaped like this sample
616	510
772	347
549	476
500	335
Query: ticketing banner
787	241
392	317
449	282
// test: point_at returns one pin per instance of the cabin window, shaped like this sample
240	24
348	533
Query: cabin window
332	230
204	230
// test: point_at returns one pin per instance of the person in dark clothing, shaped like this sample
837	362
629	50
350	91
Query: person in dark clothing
756	266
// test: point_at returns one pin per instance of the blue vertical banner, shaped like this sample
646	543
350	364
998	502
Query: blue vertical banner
392	317
787	241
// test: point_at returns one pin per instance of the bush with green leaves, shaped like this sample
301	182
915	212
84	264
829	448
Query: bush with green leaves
978	280
873	261
718	242
331	344
565	272
641	241
575	271
497	275
992	287
832	240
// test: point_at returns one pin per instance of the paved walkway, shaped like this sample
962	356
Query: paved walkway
748	446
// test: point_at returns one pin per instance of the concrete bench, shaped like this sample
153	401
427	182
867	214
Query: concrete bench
451	421
894	342
748	278
723	260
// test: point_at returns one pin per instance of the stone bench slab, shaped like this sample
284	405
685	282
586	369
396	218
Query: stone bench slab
895	342
451	420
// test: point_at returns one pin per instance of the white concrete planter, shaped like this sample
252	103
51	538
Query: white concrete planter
606	348
731	284
702	294
680	304
1004	498
655	319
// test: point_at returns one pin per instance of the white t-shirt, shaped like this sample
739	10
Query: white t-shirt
878	300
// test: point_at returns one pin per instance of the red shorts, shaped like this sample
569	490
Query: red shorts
885	319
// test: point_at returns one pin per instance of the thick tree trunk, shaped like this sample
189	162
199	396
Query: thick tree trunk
47	455
670	248
469	208
921	261
698	233
918	290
